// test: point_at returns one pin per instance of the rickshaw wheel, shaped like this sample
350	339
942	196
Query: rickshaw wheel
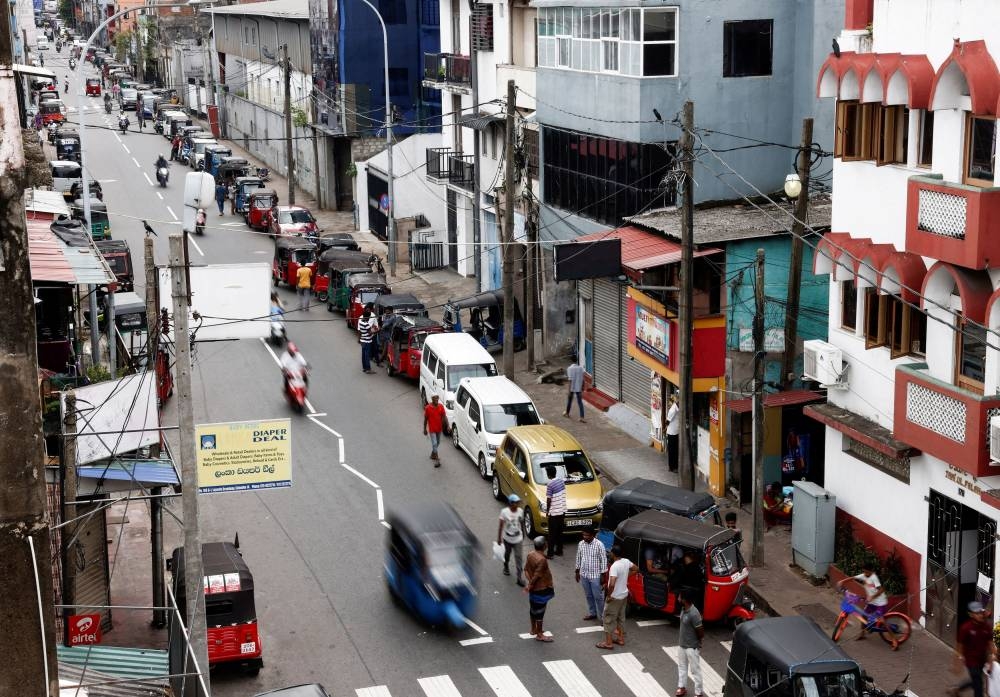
737	621
321	297
389	370
251	669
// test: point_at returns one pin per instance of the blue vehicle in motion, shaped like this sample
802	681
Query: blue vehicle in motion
430	564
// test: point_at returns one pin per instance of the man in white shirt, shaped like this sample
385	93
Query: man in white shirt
616	599
673	431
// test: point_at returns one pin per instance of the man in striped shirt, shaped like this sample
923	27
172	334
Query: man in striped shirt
591	565
555	509
367	326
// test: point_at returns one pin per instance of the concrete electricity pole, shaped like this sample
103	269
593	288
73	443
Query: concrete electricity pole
757	548
289	143
68	495
27	641
686	450
804	166
508	235
477	250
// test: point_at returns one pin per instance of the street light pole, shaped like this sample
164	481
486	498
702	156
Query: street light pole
390	223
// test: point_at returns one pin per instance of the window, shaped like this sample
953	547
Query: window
530	138
980	137
462	397
893	135
474	413
659	43
482	27
926	150
871	131
875	307
849	305
971	353
893	466
906	328
746	48
392	11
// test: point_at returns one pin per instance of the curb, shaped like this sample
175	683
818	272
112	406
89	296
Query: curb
761	602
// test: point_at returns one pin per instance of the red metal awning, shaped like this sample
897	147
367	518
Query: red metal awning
976	71
788	398
51	259
643	250
888	78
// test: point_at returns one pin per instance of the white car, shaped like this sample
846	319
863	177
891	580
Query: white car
484	409
42	44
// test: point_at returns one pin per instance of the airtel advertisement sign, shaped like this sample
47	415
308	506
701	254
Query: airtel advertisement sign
84	629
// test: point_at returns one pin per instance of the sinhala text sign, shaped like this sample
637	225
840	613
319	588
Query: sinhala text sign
244	455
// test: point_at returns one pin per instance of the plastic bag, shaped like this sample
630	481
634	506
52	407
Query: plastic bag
498	551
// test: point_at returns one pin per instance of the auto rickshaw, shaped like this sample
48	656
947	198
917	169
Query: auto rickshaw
233	633
119	258
130	320
638	495
481	315
338	240
231	168
703	559
789	657
100	226
289	254
430	564
399	304
405	343
93	87
213	157
339	262
259	204
363	288
244	187
51	111
68	149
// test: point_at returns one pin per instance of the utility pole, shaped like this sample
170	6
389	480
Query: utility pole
28	640
804	165
193	568
686	449
477	250
289	143
757	549
508	235
68	495
531	233
316	170
155	504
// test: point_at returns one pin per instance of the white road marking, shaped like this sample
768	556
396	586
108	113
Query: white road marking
532	636
571	679
652	623
149	180
635	677
126	149
106	181
712	681
727	645
477	640
231	224
504	682
170	211
160	195
385	524
588	630
439	686
377	691
191	238
310	407
318	413
114	134
136	162
323	426
381	506
359	475
476	627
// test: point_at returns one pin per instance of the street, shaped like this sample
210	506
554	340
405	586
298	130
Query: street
316	548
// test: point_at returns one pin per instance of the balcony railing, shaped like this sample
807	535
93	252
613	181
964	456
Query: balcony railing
952	222
943	420
447	68
462	171
437	163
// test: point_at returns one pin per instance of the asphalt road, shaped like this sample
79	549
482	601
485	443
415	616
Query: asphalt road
316	548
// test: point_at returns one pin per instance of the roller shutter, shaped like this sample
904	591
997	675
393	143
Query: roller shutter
635	376
607	338
91	588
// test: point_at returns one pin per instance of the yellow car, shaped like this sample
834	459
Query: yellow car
519	469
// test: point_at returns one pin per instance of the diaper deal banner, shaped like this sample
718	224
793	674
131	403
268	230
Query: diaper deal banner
244	455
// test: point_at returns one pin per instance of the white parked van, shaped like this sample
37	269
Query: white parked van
65	173
484	409
446	359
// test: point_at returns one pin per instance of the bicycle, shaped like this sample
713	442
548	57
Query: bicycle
893	627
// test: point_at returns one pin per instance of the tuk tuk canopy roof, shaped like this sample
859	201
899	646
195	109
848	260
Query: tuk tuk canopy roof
649	494
417	522
293	243
396	301
367	279
217	558
345	240
349	255
264	192
667	528
793	644
484	299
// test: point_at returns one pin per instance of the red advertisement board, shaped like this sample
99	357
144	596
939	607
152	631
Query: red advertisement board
84	629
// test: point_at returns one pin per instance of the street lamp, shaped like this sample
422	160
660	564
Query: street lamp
793	185
390	225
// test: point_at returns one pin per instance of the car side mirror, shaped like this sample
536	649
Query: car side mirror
439	384
524	476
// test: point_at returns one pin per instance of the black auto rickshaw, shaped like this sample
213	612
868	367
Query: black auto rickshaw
96	191
340	266
789	657
481	315
230	169
230	613
398	304
638	495
119	258
404	343
132	325
675	553
289	254
355	260
338	240
430	563
363	289
100	226
68	149
214	155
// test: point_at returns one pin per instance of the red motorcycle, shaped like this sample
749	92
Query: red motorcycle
296	389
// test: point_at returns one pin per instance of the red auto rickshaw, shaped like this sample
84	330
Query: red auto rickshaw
93	87
363	288
51	111
337	260
289	254
230	613
259	205
676	553
405	344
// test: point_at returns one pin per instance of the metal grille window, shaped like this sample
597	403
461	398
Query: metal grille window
482	27
898	467
531	152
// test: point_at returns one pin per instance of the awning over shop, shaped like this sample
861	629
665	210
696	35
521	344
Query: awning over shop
787	398
860	429
643	250
34	71
52	259
479	122
42	203
122	474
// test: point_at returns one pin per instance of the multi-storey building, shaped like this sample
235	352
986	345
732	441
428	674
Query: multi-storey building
913	367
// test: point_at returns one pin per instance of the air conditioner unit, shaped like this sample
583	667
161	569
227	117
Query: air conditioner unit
995	439
824	363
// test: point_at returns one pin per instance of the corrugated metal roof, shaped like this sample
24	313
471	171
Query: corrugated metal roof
45	201
775	399
51	259
108	663
148	472
642	249
479	122
282	9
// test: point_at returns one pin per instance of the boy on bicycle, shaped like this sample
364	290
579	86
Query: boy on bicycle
877	601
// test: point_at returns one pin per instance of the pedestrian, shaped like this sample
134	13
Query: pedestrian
303	286
731	524
232	198
972	651
511	533
220	196
66	86
367	326
555	509
615	599
591	565
141	115
435	423
575	376
175	146
539	589
673	432
690	635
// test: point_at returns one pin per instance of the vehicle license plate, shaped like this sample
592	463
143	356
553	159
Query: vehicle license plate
578	522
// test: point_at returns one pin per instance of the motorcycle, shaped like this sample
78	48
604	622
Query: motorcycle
72	64
375	262
58	47
123	124
264	174
278	335
295	391
107	107
162	175
199	222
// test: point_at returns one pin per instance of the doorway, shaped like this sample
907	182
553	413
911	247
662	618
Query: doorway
452	214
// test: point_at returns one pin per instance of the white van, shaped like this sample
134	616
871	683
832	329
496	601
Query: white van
484	409
446	359
64	174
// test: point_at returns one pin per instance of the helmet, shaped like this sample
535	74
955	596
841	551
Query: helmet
513	498
160	156
292	349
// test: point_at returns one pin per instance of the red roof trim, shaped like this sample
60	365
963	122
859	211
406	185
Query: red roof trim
976	64
642	250
974	289
910	272
829	246
915	69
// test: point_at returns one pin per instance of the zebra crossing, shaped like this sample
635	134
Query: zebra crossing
568	677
